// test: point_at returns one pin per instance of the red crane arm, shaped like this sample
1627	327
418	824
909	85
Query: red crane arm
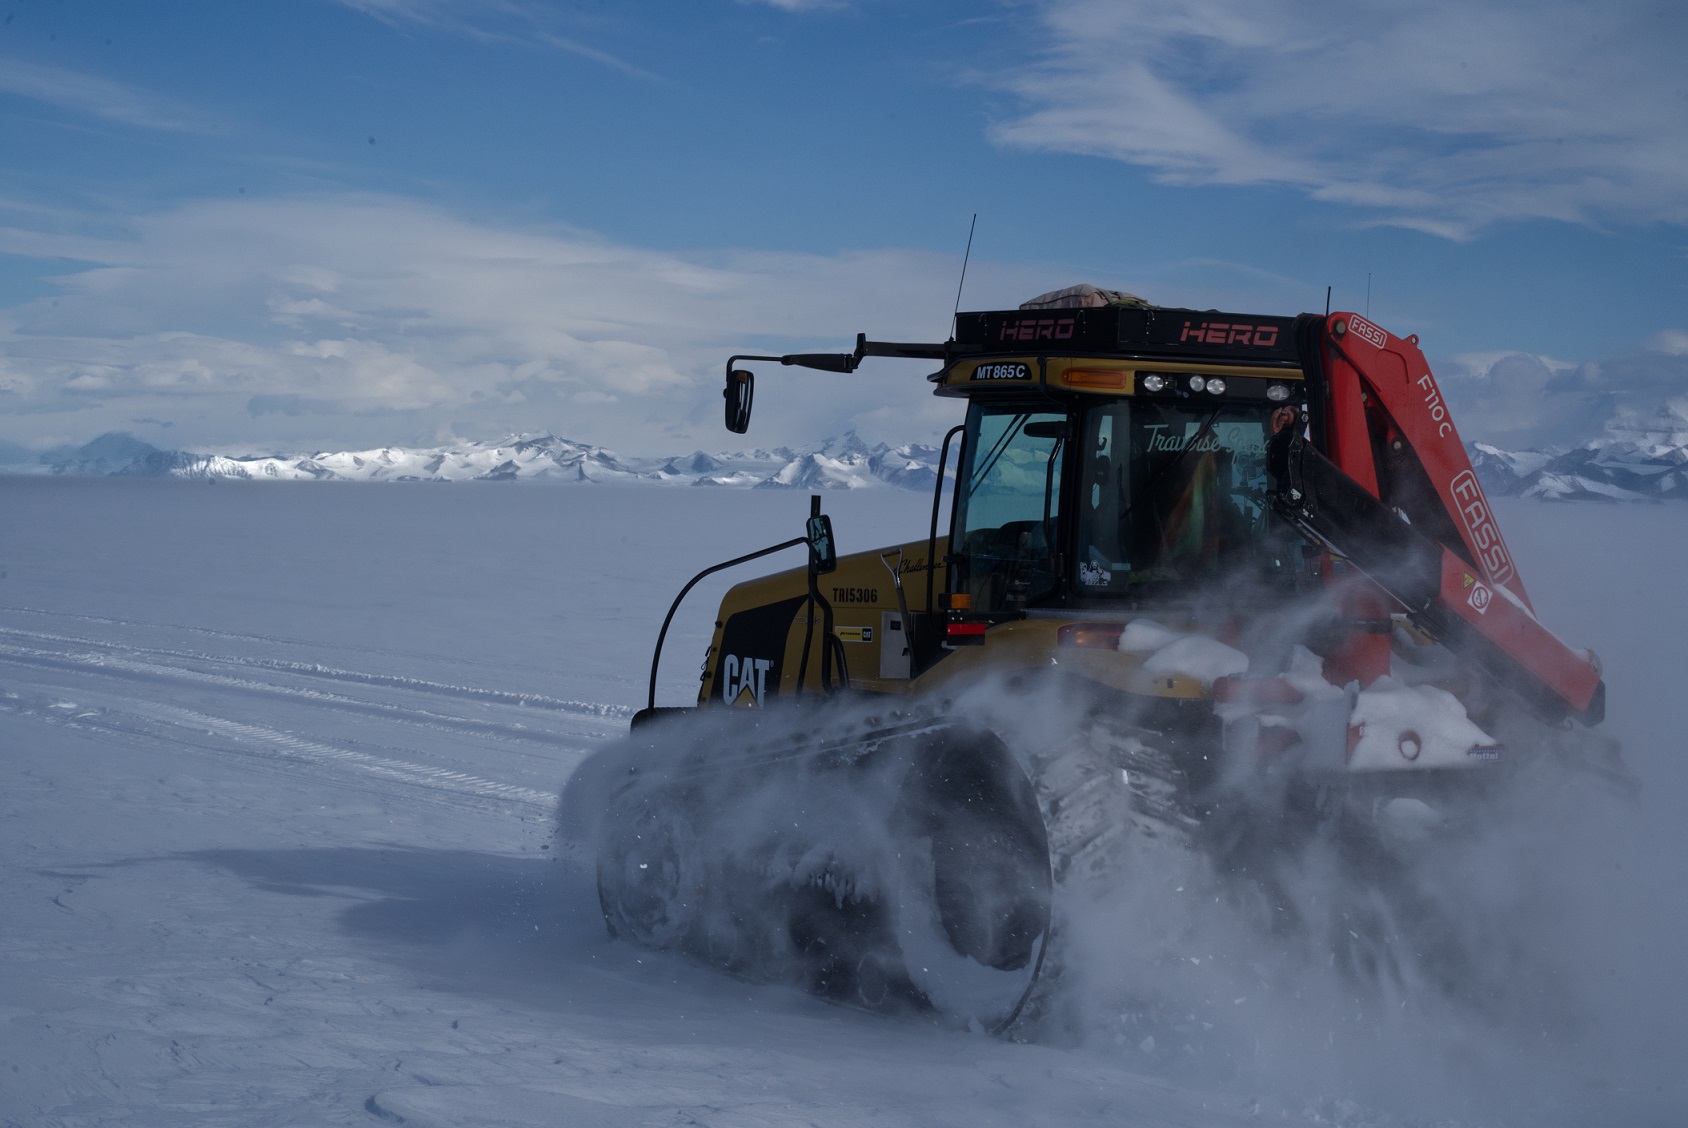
1385	482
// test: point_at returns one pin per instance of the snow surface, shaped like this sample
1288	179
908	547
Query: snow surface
281	769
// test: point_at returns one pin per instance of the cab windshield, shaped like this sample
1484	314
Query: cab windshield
1171	493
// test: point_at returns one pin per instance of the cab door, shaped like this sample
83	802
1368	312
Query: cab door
1008	541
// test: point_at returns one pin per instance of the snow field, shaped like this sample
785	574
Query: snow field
280	761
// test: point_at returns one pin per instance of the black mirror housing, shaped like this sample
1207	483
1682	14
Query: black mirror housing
740	393
821	547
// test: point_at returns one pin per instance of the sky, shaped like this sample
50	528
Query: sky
336	224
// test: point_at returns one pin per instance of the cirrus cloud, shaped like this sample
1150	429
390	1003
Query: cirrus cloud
1444	117
102	98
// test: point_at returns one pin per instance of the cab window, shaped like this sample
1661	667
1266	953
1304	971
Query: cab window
1169	493
1008	503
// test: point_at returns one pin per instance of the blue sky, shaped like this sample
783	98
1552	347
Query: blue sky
338	223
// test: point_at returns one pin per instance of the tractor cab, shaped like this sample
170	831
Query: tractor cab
1121	457
1079	499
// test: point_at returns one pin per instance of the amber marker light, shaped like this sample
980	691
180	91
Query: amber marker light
1097	378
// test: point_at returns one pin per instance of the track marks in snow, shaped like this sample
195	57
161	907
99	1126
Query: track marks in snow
297	748
130	663
264	741
194	698
245	639
332	673
497	696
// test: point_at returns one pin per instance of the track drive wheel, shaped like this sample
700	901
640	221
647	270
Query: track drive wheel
975	912
650	879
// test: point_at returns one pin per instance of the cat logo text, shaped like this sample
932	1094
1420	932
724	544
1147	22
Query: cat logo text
744	681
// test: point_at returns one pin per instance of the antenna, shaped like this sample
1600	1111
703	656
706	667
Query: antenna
967	255
1327	301
1368	293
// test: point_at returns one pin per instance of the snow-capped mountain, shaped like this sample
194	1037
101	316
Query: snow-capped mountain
844	462
1638	457
912	466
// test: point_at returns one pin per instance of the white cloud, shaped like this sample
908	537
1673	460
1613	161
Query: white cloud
376	319
503	21
448	14
799	5
1671	342
1442	116
1524	401
367	320
102	98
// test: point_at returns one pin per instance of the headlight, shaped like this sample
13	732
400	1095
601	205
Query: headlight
1154	383
1216	385
1197	383
1277	393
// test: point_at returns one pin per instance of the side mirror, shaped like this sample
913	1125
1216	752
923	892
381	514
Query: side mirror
740	392
821	548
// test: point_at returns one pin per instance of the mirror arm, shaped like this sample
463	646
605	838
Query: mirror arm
732	360
907	350
824	362
739	388
847	362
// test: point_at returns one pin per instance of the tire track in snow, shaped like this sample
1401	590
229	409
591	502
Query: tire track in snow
210	632
165	715
333	673
275	743
298	748
116	666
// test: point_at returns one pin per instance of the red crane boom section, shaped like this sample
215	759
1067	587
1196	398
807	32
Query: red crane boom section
1382	402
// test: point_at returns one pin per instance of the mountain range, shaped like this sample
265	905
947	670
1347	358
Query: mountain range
845	462
1636	457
